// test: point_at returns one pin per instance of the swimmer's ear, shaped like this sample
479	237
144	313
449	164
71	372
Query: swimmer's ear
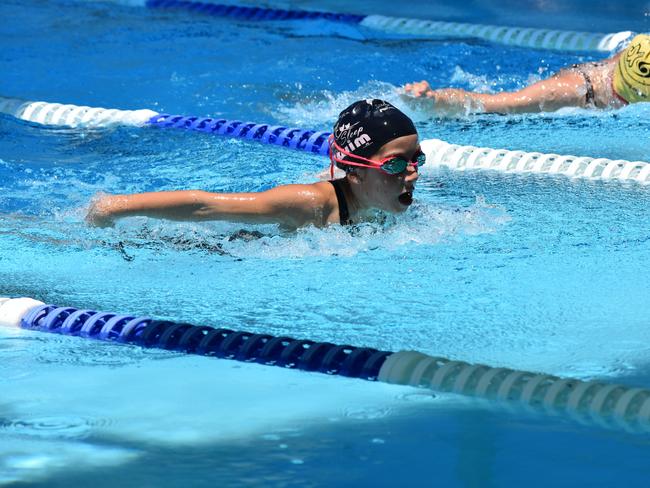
354	175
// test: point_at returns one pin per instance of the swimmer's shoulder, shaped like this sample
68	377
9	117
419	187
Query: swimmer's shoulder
311	203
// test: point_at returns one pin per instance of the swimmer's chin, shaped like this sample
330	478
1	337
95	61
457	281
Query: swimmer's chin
404	201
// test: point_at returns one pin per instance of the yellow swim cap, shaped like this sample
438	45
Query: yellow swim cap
632	74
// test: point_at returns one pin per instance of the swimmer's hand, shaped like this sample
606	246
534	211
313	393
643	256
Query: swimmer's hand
419	89
444	97
449	101
100	211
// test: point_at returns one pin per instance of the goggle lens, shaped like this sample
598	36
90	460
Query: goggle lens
396	166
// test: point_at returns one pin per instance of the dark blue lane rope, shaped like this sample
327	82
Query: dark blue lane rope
286	352
605	404
252	13
293	138
514	36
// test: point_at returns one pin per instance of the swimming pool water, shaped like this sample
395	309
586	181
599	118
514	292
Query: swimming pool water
528	272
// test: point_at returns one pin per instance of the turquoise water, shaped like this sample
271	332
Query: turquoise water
528	272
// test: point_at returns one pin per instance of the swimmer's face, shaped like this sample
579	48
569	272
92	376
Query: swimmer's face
392	193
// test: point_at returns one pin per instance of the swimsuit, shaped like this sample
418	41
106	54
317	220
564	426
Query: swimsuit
580	68
344	213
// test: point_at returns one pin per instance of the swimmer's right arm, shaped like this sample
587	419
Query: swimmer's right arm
290	205
456	101
447	101
565	89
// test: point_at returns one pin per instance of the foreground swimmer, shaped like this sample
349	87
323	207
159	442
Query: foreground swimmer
611	83
373	142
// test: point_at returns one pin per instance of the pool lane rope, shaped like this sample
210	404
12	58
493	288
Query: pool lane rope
458	157
66	115
74	116
511	36
439	153
608	405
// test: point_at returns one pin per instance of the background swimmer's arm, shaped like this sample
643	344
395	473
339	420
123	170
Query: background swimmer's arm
290	205
446	101
566	89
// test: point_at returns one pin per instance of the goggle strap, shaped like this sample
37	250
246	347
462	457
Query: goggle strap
331	141
348	154
374	164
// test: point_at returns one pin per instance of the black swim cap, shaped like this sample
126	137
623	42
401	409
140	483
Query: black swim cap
366	125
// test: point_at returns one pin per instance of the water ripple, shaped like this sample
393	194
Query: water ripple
48	427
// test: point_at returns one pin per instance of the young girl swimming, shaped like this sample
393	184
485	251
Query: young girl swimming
373	142
611	83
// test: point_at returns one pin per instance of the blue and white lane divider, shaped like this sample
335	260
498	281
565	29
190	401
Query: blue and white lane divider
303	140
74	116
439	153
66	115
462	158
511	36
609	405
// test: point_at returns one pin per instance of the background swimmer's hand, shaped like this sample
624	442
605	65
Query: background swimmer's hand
419	89
445	101
99	213
446	97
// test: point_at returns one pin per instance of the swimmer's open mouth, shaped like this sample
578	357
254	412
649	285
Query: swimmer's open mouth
406	198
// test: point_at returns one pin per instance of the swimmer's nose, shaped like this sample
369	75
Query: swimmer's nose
411	174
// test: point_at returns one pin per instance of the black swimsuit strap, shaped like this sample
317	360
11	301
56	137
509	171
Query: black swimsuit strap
344	213
590	96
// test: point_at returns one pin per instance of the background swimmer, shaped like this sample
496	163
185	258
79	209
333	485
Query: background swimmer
611	83
373	142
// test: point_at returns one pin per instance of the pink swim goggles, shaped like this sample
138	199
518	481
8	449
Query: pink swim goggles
392	165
